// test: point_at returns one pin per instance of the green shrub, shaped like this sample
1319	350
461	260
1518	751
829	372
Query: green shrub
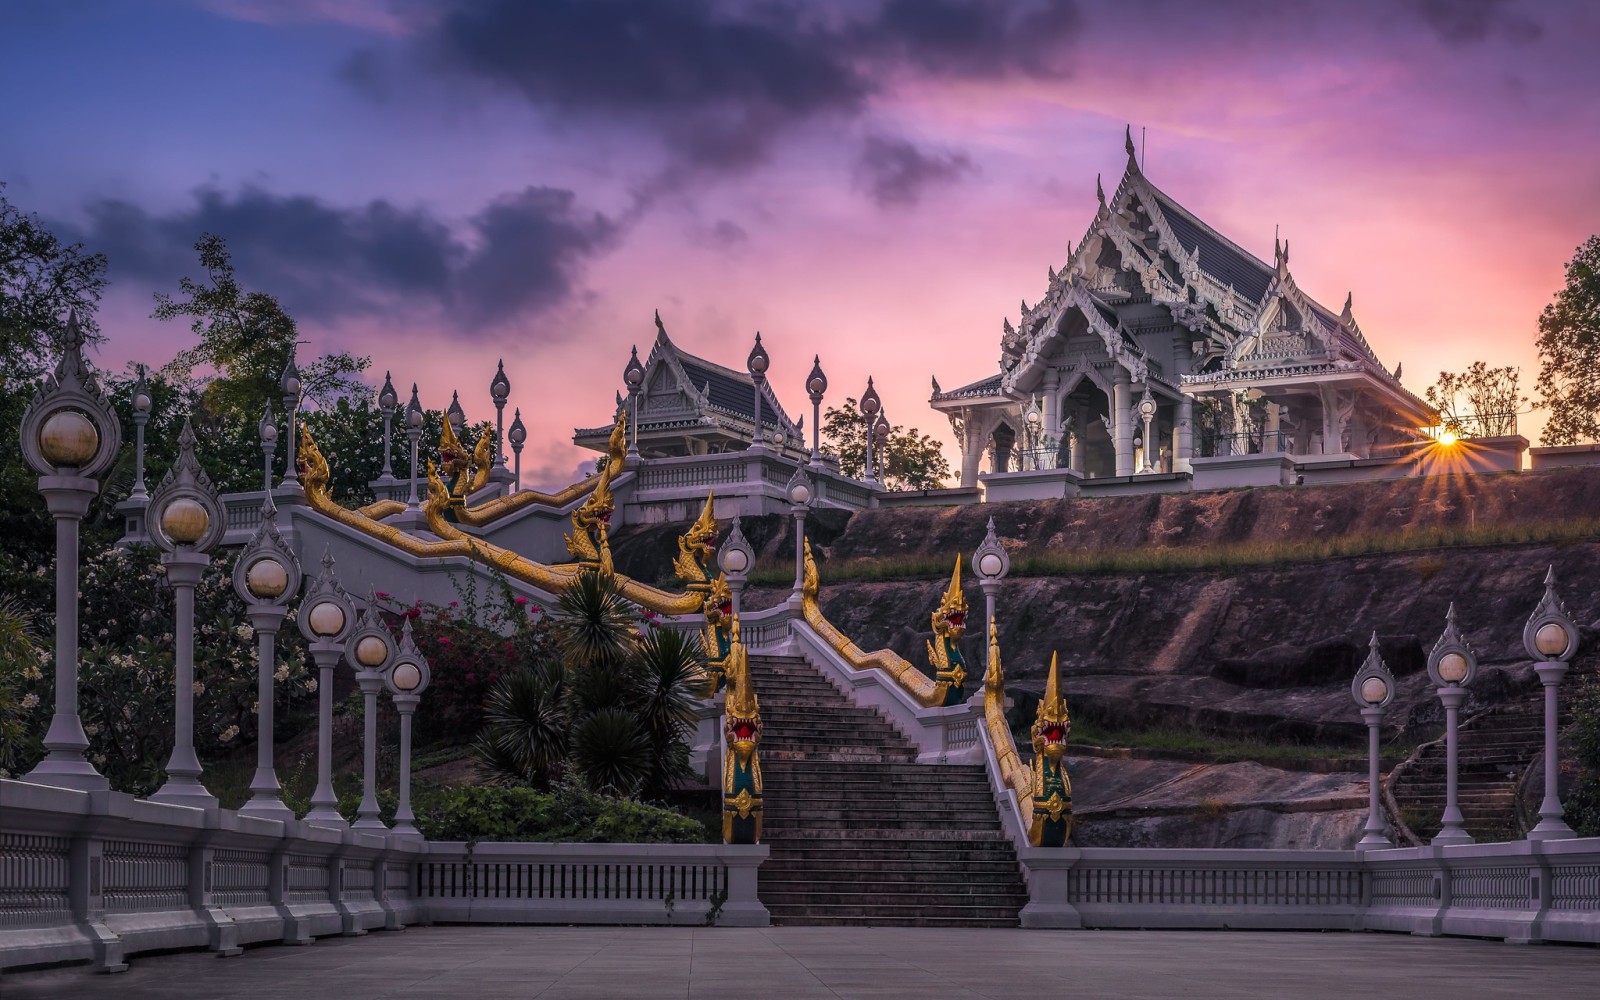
569	814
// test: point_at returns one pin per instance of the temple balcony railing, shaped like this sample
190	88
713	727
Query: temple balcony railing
744	482
1255	442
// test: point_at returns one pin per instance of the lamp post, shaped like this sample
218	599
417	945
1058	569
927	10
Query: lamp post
370	646
265	577
990	564
518	435
633	377
186	521
880	437
870	405
326	619
1451	665
757	362
801	495
816	385
1033	419
734	558
500	391
1551	639
141	417
1373	690
413	434
406	679
1147	411
388	403
267	430
455	414
291	388
70	434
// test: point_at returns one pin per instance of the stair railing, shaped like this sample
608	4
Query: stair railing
1005	764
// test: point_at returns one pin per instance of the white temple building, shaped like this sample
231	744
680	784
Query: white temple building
1162	344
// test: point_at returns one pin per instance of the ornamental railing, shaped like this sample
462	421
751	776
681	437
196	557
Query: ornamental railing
1215	445
1475	425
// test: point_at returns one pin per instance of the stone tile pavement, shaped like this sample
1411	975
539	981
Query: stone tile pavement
566	963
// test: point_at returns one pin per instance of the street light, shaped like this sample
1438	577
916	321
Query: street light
870	405
267	431
292	389
1373	690
413	433
633	376
1551	639
406	679
1147	410
326	619
266	576
990	564
1034	421
388	403
880	437
455	414
802	493
816	385
757	362
141	416
735	557
518	435
186	521
370	646
1451	665
500	391
70	434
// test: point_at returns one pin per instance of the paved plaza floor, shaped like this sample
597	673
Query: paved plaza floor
490	963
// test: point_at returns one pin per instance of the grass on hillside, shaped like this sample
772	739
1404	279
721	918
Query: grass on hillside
1195	741
1151	559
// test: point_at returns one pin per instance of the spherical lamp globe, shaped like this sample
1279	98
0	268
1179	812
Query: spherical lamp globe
1453	668
185	521
734	561
1551	639
990	564
371	651
68	438
266	578
406	676
327	619
1374	690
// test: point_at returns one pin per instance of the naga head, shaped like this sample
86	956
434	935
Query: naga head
719	602
617	446
742	711
950	620
313	467
1052	726
482	462
810	584
701	538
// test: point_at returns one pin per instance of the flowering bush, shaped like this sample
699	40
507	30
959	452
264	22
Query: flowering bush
126	672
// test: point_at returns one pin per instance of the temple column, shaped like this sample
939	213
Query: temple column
1269	432
1183	435
1080	427
971	448
1122	413
1052	404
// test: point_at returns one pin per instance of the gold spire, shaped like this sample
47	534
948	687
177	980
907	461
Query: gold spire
1052	707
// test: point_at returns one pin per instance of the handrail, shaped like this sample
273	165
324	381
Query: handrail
923	688
1013	773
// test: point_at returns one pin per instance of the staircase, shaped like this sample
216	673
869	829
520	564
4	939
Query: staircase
860	833
1493	750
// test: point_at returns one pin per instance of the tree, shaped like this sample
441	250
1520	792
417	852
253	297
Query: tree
41	280
1479	402
910	461
1569	352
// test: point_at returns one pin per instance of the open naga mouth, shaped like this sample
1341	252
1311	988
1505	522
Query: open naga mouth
957	619
744	733
1053	734
725	608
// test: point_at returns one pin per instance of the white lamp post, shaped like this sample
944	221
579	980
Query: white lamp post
633	376
406	678
388	403
518	435
880	438
1033	419
266	576
870	405
455	414
141	417
267	431
326	619
70	434
1373	690
186	521
816	385
413	434
801	495
758	362
292	388
1551	639
990	564
1451	665
1147	412
371	648
735	557
500	391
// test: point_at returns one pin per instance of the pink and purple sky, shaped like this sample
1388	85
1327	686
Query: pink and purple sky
441	183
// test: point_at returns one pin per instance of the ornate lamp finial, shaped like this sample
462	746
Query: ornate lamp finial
388	399
455	414
185	511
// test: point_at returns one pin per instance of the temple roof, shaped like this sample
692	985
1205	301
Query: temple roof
1221	258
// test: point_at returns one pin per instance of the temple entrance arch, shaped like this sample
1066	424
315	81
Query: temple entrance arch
1084	405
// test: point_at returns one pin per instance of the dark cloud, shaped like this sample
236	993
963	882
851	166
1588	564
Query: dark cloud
1463	22
728	234
719	82
895	173
522	252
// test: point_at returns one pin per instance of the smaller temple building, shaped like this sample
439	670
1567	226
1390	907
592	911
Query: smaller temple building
1161	343
689	406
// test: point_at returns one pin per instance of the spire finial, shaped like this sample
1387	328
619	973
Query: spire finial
1127	142
1099	191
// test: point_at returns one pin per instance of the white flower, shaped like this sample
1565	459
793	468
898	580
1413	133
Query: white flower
199	688
255	708
32	673
98	759
242	631
91	730
311	683
281	674
228	734
30	700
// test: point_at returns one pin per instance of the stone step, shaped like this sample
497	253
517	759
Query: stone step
916	911
830	920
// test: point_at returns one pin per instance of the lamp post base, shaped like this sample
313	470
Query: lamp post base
1552	828
328	817
267	806
184	790
68	769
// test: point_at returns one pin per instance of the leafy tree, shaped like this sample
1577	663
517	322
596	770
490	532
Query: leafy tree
1569	352
910	461
611	707
41	279
1479	402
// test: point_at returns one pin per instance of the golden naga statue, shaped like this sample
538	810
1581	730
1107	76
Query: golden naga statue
924	689
590	541
1043	792
717	638
949	625
482	464
741	769
455	542
453	455
492	510
695	547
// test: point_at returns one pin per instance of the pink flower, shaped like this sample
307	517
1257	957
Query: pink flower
381	595
536	609
444	640
472	677
455	604
521	602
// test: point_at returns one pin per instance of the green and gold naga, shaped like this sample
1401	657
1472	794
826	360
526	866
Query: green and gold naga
717	638
949	624
1051	823
741	768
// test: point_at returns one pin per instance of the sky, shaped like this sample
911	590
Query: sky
440	184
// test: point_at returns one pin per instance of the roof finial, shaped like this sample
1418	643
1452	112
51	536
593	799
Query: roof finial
1099	191
1349	300
661	329
1133	159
